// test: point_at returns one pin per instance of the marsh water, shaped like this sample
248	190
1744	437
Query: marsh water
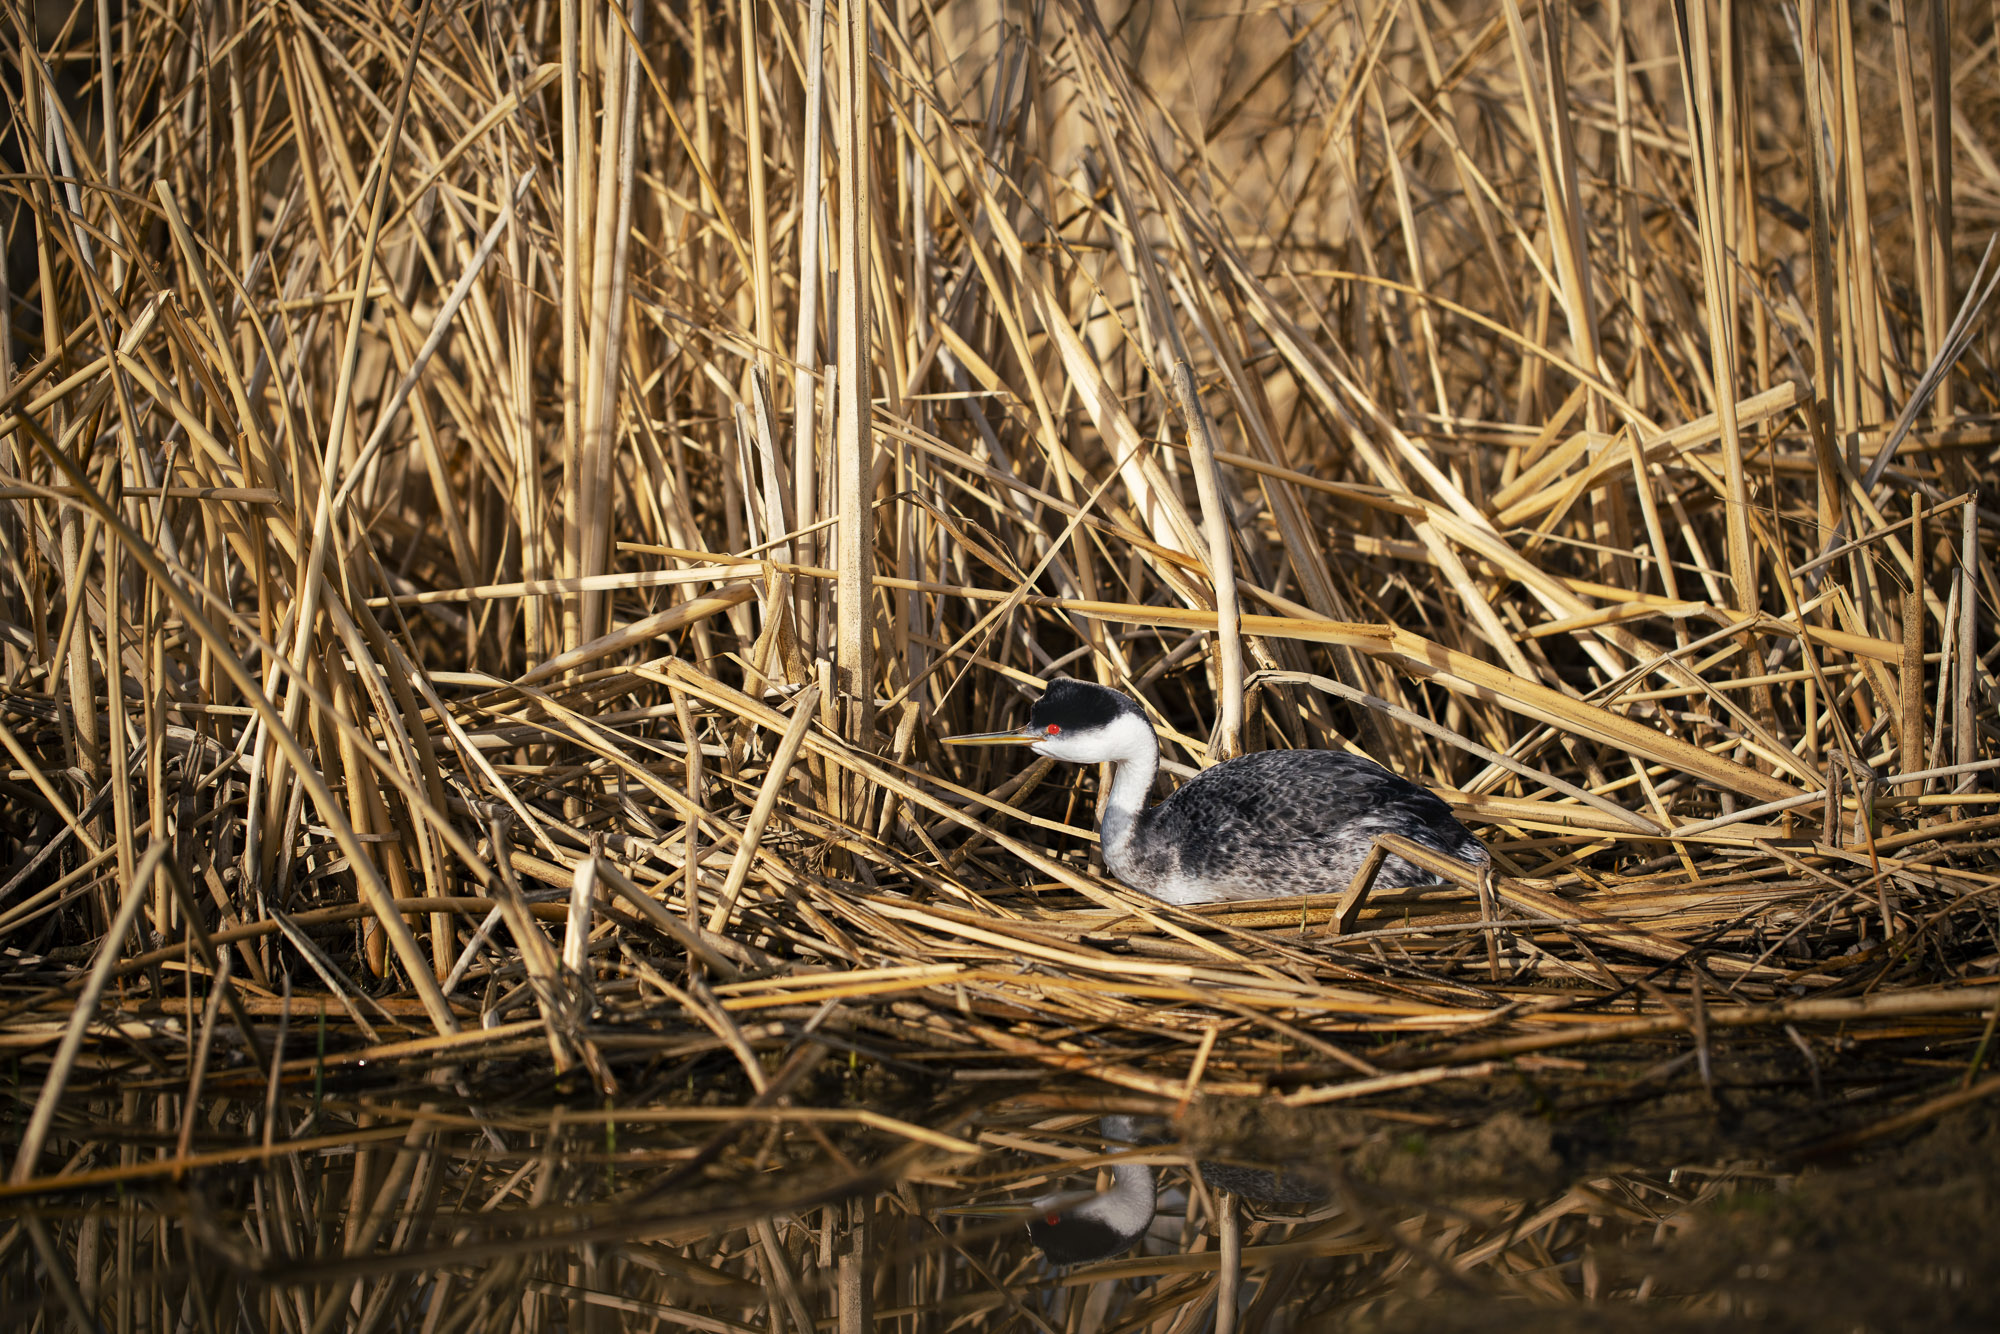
1646	1190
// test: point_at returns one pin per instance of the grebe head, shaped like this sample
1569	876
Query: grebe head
1085	723
1072	1230
1076	1236
1078	722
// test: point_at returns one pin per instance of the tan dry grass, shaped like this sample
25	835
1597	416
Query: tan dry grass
540	493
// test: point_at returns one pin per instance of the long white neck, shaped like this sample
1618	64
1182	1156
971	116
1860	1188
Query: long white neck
1127	1208
1134	760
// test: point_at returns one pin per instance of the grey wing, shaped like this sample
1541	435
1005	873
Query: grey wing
1261	1185
1302	821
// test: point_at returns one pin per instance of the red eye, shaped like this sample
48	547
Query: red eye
1053	1219
1051	730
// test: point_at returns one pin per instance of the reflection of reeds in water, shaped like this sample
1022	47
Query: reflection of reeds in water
489	540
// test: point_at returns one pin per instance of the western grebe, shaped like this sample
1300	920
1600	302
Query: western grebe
1272	823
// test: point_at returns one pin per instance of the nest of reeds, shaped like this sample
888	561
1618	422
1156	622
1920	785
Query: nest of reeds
499	505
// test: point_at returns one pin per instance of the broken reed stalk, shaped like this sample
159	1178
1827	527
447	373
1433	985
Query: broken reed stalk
399	556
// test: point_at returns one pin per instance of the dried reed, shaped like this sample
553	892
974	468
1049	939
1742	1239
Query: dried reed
465	774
